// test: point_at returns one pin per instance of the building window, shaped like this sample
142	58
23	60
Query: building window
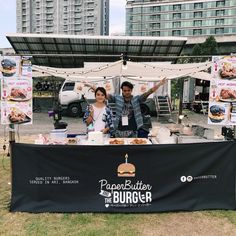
219	31
176	15
155	17
155	25
176	32
219	21
197	31
197	23
198	5
220	12
156	33
198	14
177	7
220	3
176	24
155	8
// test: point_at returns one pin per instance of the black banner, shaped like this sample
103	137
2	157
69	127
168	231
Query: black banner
145	178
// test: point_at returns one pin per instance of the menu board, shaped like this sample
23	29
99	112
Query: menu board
16	90
222	97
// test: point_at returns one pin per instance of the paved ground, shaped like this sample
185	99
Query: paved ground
42	123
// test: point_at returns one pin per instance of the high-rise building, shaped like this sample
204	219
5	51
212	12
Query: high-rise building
180	18
90	17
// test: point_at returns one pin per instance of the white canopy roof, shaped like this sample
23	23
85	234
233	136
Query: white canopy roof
132	70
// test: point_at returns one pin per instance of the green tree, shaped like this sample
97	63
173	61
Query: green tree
209	47
197	51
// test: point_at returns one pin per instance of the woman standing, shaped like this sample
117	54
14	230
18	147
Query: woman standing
98	115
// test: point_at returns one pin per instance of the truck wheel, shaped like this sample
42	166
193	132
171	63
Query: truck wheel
75	110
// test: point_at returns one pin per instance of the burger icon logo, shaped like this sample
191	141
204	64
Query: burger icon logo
126	169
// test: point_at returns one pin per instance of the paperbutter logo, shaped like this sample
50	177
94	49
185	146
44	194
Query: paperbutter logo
127	193
191	178
126	169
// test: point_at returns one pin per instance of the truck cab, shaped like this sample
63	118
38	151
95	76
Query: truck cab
70	99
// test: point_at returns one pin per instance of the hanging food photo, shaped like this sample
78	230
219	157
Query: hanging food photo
8	67
16	116
228	71
217	113
227	95
16	112
224	67
17	90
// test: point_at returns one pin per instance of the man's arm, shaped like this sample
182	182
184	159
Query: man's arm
153	89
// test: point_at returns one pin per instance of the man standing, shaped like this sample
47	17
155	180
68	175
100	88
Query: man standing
128	119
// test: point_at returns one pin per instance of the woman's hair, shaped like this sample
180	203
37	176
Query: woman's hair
102	90
127	84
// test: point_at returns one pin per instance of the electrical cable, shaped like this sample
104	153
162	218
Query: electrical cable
4	149
18	133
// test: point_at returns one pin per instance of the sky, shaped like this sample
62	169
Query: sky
8	18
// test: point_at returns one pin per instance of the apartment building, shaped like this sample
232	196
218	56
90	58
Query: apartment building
180	18
79	17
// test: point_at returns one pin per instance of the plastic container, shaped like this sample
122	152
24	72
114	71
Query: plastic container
58	135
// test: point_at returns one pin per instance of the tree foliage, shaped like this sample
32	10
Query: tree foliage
208	48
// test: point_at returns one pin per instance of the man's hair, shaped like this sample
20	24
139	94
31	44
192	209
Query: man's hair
102	90
127	84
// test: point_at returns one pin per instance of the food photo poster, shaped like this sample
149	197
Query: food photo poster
222	97
16	90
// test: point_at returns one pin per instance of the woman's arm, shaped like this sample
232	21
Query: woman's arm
88	116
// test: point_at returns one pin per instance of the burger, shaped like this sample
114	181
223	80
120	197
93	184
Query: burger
217	113
8	67
126	170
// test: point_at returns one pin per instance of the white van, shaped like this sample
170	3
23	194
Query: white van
71	100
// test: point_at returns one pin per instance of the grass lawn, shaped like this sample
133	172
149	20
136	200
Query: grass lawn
191	223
